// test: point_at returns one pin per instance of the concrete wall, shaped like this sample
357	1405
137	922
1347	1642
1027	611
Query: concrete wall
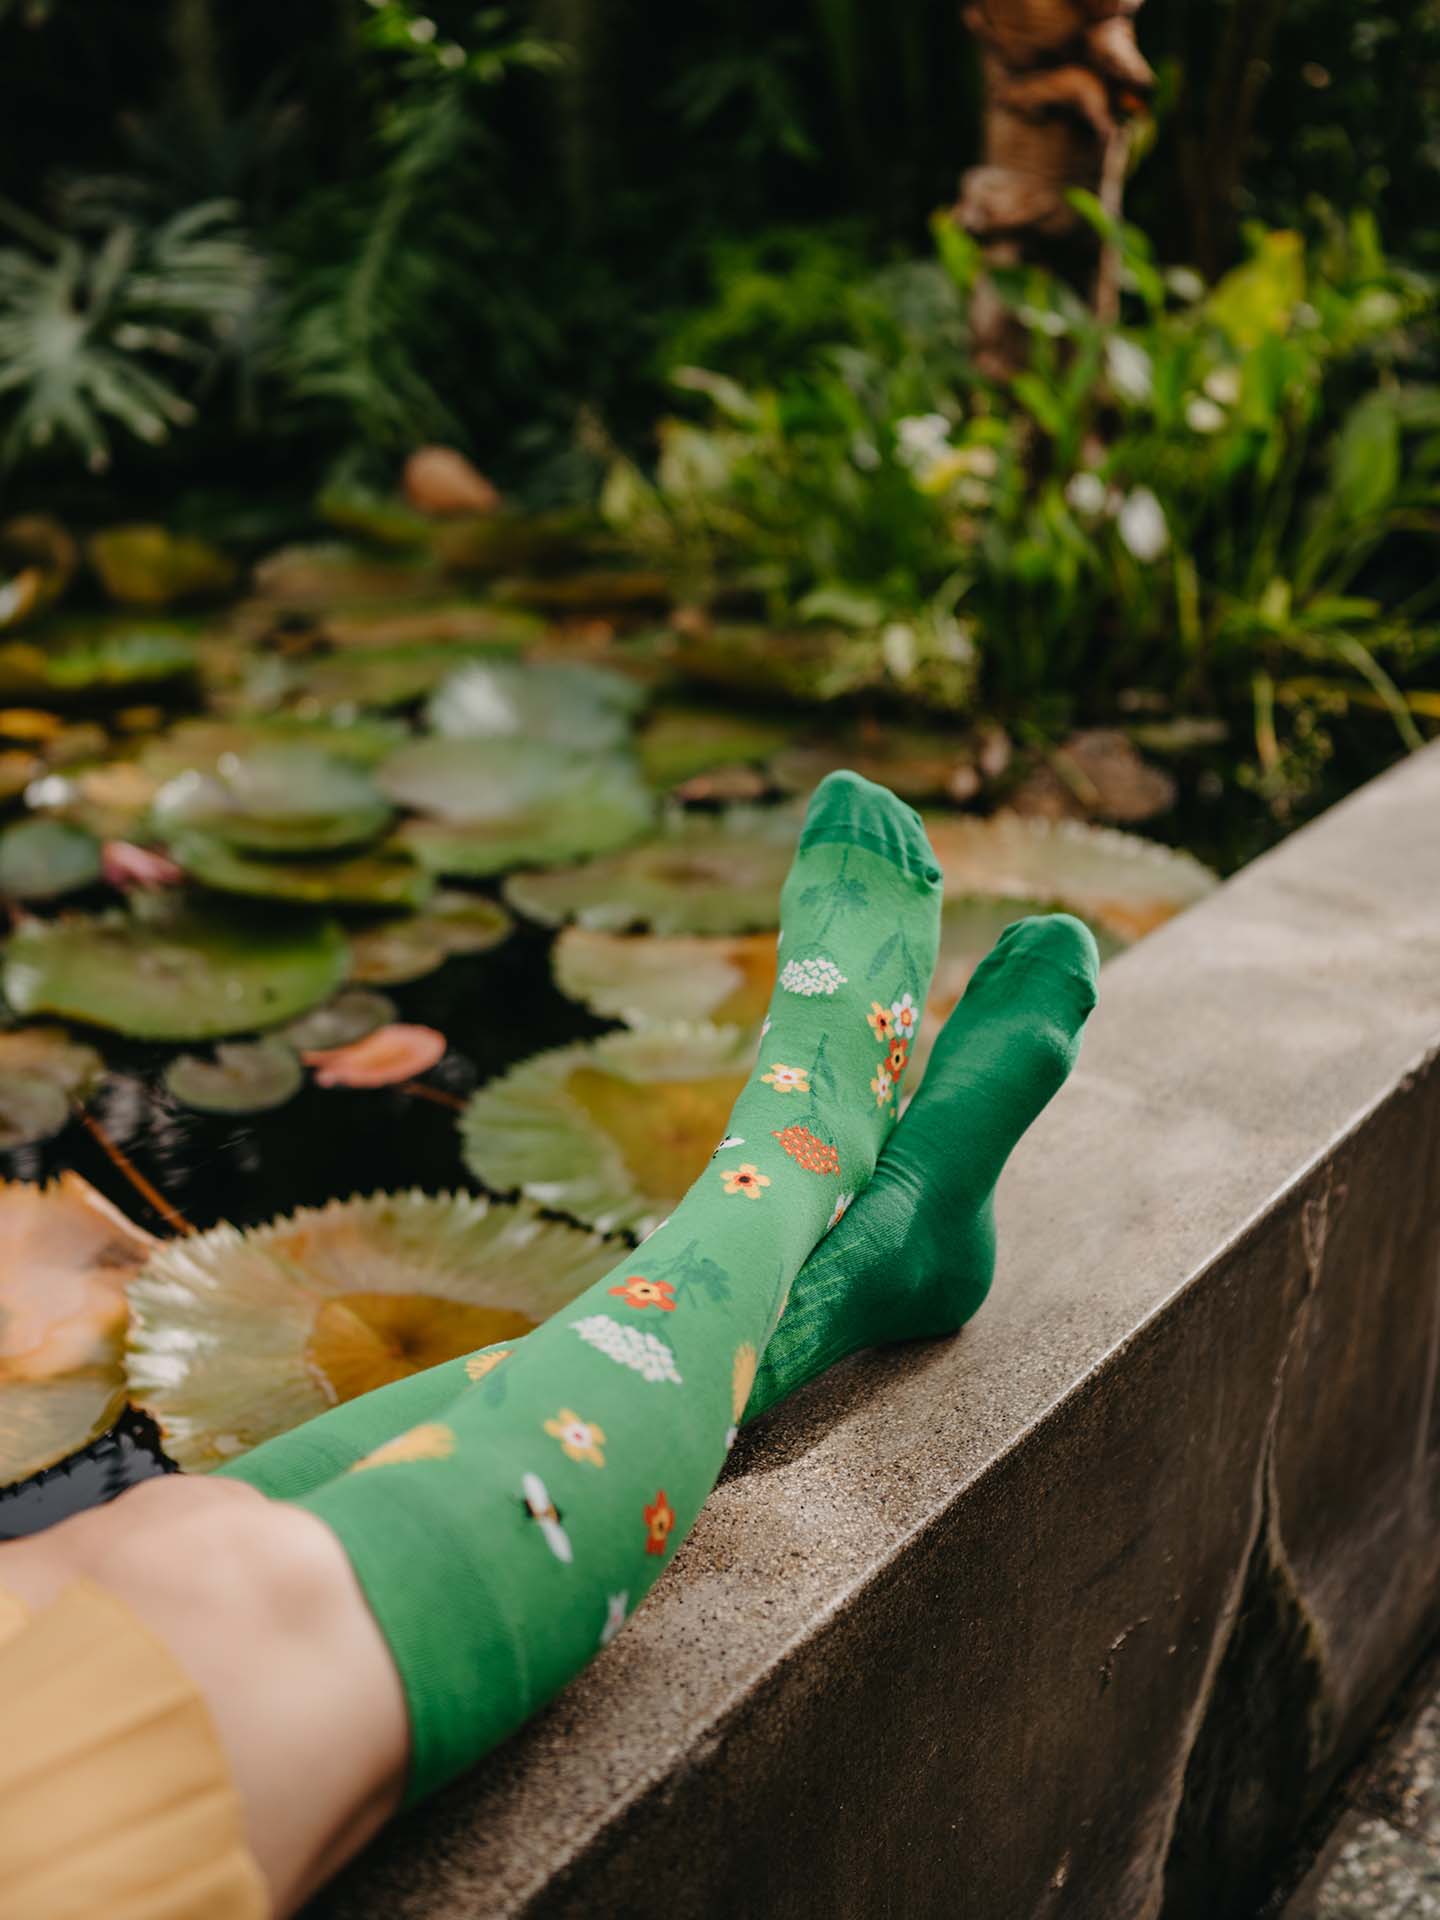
1079	1613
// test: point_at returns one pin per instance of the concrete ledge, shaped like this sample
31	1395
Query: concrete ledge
1081	1612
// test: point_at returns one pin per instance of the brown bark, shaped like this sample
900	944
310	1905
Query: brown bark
1063	78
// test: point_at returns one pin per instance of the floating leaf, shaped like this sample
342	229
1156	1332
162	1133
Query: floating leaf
1117	880
495	803
679	742
116	661
275	800
612	1131
200	746
240	1336
461	623
65	1257
705	873
50	1054
643	979
148	566
30	1110
382	877
303	576
112	801
394	951
362	677
246	1076
562	704
40	859
349	1016
917	765
174	972
381	1059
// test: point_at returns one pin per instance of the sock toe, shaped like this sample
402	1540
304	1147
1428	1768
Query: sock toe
1055	940
847	808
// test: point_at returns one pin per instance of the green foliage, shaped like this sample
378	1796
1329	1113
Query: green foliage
117	330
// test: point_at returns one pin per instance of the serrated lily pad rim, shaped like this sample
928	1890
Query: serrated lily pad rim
183	1327
596	1187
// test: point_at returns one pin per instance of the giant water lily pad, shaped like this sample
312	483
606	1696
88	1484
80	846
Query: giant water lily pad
41	859
305	576
465	623
240	1336
378	677
919	765
704	873
1119	881
612	1131
200	746
381	877
149	566
167	971
285	800
679	742
118	662
394	951
65	1257
580	708
643	979
246	1076
42	1071
495	803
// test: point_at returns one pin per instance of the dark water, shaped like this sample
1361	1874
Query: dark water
495	1008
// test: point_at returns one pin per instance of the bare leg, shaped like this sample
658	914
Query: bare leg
257	1603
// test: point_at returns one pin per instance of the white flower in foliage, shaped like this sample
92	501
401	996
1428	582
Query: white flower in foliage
1202	415
1128	366
1141	522
1085	495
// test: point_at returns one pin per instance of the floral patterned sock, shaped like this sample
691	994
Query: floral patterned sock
912	1258
509	1535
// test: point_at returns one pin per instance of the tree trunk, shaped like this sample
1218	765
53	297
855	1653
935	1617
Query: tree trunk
1063	79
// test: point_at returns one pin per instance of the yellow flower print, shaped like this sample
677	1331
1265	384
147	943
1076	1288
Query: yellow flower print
746	1179
579	1439
742	1377
430	1441
479	1364
787	1079
881	1022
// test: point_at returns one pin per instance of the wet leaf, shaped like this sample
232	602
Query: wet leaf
394	951
1118	881
246	1076
581	708
645	979
65	1257
385	876
704	873
174	972
680	742
41	859
284	800
240	1336
612	1131
348	1017
381	1059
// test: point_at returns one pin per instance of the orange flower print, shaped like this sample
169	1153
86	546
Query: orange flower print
895	1060
812	1153
640	1292
787	1079
881	1021
479	1364
659	1524
579	1439
882	1086
746	1178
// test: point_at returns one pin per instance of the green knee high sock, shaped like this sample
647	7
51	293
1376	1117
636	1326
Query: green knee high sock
913	1257
507	1537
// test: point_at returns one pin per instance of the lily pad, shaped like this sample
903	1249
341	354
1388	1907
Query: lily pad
65	1257
52	1055
174	972
379	677
200	746
246	1076
918	765
117	661
394	951
565	704
30	1110
705	873
496	803
148	566
679	742
349	1016
1116	880
644	979
240	1336
286	800
303	576
612	1131
380	877
465	623
41	859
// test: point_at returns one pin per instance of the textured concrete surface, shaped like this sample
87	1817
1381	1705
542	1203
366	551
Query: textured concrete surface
1082	1612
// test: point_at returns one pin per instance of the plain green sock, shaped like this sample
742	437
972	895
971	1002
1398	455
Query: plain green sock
506	1537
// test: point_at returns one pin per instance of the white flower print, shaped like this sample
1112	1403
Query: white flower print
839	1210
730	1140
882	1086
906	1016
649	1357
616	1605
542	1510
809	977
